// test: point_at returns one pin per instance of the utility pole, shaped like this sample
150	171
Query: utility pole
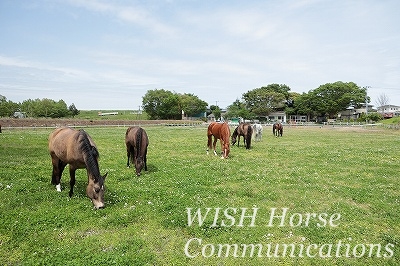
366	103
366	99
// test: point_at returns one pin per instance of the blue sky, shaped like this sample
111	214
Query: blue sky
105	55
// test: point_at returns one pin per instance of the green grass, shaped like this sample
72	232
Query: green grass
352	172
122	115
394	120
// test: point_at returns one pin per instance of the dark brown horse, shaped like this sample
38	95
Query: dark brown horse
222	132
245	130
136	141
76	148
277	129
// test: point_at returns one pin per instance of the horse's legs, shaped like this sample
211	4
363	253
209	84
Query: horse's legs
58	168
209	140
72	180
145	159
214	144
128	154
127	163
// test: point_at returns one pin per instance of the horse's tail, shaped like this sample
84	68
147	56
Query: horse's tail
139	134
248	137
132	152
90	154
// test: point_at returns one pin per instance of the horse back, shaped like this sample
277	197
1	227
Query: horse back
219	130
64	144
131	137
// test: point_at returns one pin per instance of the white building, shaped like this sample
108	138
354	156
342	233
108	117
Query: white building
389	111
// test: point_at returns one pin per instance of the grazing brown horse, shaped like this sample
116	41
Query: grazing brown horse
245	130
222	132
277	129
136	141
76	148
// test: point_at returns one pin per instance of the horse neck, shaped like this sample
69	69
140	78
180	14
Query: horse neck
225	134
90	156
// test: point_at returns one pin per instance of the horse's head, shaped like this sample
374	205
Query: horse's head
95	191
139	164
234	136
233	139
226	150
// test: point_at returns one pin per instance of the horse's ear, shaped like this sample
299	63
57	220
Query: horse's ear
104	176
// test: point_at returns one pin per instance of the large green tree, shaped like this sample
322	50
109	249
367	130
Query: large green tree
7	108
331	98
191	104
162	104
238	109
304	105
264	100
45	108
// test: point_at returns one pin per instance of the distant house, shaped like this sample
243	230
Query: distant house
354	113
198	116
211	118
277	116
298	118
389	111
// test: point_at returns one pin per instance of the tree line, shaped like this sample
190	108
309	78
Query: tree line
326	101
37	108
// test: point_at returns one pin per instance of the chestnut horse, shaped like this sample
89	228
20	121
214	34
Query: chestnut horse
222	132
136	142
277	129
245	130
76	148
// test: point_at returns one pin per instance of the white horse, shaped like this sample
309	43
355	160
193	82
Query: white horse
258	131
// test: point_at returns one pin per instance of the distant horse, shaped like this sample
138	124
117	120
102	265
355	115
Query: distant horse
76	148
258	129
136	142
222	132
277	129
245	130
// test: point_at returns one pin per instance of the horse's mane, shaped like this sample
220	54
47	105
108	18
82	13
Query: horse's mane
225	133
90	154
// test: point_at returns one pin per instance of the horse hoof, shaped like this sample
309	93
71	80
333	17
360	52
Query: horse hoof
58	187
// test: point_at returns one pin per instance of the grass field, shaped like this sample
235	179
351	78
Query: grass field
122	115
348	177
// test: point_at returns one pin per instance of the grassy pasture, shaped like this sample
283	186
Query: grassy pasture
353	172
